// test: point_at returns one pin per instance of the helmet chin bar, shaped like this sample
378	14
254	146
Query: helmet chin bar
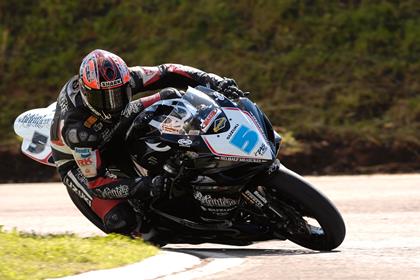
102	114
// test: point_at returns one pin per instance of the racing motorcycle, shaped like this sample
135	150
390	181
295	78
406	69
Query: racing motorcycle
226	185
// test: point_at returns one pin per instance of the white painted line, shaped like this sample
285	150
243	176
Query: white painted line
165	263
221	262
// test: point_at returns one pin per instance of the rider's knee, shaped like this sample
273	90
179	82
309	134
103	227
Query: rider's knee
120	219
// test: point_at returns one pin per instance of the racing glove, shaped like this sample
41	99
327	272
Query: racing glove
160	185
169	93
230	89
148	187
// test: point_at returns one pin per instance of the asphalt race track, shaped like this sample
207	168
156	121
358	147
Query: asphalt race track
382	215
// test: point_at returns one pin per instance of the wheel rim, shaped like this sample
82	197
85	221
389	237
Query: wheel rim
300	226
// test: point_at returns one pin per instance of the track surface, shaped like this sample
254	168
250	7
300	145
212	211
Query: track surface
382	214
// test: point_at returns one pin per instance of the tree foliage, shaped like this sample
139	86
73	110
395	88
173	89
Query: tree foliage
319	68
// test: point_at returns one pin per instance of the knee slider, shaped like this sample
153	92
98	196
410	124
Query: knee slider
120	219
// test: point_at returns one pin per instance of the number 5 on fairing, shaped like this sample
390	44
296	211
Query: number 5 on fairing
245	139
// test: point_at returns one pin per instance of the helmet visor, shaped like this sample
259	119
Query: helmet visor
110	101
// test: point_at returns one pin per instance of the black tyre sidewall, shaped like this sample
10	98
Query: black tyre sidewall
295	187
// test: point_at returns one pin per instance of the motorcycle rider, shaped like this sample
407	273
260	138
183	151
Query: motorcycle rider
94	110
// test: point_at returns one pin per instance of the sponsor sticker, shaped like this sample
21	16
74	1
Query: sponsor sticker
118	191
185	142
253	199
90	121
239	159
78	191
218	96
108	84
209	201
86	160
34	120
232	131
206	123
83	152
169	129
261	150
219	124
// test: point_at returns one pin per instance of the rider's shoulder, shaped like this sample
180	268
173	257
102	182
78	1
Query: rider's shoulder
70	93
81	129
72	85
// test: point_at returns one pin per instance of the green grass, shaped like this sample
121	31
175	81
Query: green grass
31	256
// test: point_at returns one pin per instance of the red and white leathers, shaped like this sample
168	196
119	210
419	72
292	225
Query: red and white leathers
87	148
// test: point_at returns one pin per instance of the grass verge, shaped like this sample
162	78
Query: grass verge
31	256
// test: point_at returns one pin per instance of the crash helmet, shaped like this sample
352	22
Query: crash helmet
104	81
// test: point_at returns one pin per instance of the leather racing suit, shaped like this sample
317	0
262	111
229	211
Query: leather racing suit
88	150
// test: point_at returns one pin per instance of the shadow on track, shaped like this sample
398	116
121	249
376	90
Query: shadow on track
204	253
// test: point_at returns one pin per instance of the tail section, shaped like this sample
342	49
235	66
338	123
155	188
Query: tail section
34	128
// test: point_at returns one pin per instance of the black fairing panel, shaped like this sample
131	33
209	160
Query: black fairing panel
150	156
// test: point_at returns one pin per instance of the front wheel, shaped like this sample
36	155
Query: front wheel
301	213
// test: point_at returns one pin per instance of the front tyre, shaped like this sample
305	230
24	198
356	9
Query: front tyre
301	213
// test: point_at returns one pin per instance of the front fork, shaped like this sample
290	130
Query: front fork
257	196
281	215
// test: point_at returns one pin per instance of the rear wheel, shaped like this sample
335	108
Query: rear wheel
301	213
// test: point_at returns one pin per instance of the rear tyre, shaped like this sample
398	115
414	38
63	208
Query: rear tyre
303	206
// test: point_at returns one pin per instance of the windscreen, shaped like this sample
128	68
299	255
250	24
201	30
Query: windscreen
193	115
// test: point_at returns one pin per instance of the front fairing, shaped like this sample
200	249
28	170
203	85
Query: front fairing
230	133
219	136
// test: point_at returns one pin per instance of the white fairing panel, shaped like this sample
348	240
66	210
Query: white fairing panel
34	128
244	140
